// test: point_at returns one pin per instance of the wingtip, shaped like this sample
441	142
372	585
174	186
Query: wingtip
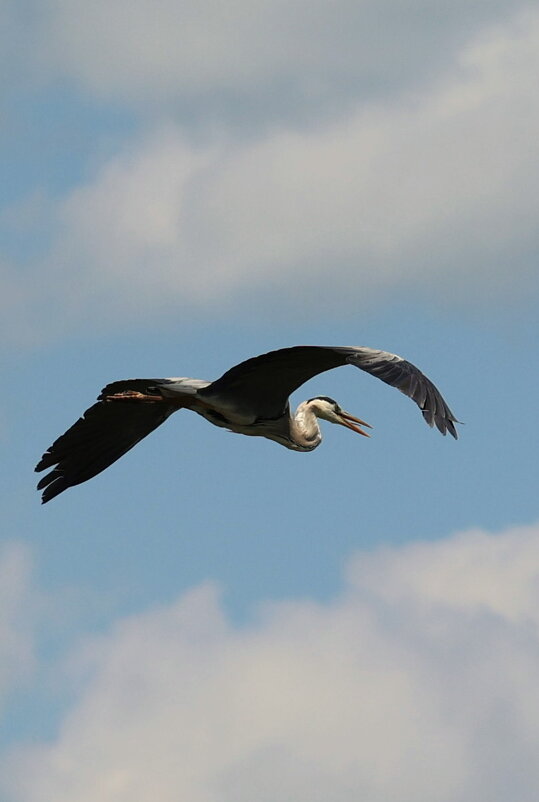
47	461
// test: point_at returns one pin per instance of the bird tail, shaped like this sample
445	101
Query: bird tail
105	432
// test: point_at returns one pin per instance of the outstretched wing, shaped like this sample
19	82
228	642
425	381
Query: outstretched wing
106	431
407	378
260	386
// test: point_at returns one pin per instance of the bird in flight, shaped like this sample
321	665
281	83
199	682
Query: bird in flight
251	398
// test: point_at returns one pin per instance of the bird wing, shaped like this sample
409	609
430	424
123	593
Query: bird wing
105	432
261	386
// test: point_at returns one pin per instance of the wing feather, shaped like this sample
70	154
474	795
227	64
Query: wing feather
105	432
260	386
406	377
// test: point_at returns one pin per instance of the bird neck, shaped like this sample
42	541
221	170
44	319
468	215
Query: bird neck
305	429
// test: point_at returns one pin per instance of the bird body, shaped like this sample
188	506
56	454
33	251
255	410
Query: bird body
299	432
251	398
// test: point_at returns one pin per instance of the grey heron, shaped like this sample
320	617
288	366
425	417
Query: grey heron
251	398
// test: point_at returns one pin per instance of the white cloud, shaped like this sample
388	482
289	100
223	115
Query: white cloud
269	54
417	683
434	195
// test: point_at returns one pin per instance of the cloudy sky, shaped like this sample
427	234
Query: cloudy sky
215	618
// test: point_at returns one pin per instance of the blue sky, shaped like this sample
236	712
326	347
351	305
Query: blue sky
185	186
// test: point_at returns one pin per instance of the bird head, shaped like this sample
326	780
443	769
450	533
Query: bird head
328	409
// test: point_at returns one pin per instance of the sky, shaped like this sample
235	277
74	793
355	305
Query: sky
216	618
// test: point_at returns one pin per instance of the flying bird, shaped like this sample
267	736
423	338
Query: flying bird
251	398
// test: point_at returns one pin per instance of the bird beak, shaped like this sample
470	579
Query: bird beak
349	421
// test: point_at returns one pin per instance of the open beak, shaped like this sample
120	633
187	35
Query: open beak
350	422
